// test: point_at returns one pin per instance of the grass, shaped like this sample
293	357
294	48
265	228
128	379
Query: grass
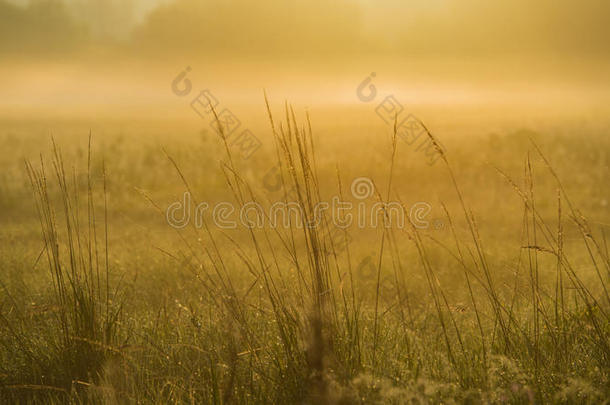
467	314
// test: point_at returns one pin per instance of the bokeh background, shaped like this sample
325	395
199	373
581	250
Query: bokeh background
465	60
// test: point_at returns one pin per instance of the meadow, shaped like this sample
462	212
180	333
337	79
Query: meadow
500	297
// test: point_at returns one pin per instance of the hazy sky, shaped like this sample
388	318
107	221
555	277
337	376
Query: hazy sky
126	51
431	26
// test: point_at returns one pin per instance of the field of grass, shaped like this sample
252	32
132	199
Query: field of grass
502	298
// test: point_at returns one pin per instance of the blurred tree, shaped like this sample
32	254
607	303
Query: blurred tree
261	27
44	26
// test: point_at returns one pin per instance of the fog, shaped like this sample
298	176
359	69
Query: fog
78	58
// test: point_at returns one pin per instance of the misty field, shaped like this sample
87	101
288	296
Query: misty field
496	293
304	202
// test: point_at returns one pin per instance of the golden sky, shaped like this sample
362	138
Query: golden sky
58	55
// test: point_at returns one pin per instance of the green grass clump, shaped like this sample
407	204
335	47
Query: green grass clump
299	315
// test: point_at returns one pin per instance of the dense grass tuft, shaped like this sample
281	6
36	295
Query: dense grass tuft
299	315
